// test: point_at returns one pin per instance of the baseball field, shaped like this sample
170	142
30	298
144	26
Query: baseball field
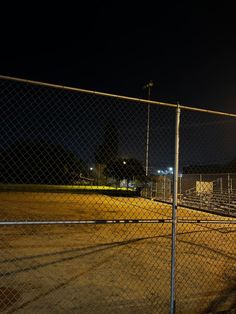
111	267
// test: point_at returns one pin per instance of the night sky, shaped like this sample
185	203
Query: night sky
188	50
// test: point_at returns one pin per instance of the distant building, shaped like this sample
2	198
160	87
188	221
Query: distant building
211	168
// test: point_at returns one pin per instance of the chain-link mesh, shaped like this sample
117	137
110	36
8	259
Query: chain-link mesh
86	225
205	253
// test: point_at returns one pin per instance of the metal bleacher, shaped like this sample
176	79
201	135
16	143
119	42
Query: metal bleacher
217	201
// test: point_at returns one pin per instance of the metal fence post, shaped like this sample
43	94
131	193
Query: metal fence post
180	188
221	186
174	210
228	187
151	187
156	190
148	86
164	188
200	196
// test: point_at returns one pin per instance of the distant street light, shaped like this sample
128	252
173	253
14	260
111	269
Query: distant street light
148	87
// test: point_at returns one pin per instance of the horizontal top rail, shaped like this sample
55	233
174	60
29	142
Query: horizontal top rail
153	102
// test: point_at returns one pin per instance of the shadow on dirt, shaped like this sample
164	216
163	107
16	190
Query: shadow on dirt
225	303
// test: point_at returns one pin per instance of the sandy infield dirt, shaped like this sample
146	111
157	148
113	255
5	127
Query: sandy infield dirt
111	268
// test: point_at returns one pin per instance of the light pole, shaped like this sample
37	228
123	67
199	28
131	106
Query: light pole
148	86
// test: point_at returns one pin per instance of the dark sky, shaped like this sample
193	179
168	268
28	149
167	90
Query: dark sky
187	49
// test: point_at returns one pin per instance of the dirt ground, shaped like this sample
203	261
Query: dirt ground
119	268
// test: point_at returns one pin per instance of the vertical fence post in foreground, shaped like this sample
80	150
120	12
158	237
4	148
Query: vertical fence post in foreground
174	209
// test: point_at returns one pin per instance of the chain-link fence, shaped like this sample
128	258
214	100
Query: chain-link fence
94	220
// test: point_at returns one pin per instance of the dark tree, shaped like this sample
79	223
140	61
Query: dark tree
40	163
231	166
128	169
108	149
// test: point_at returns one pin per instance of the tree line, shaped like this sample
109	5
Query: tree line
40	162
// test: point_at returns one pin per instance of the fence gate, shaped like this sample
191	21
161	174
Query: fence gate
94	220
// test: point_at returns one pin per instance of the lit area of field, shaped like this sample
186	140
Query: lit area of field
70	206
48	188
111	268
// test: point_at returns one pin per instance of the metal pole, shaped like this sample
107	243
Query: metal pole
200	178
148	86
180	188
228	183
151	187
156	190
164	187
174	210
